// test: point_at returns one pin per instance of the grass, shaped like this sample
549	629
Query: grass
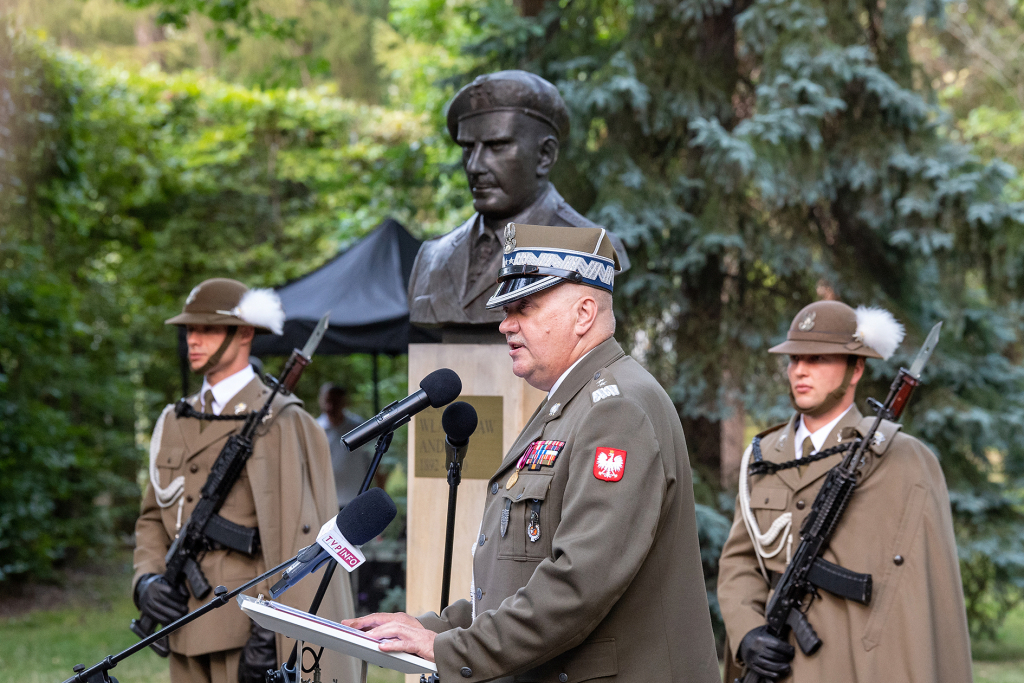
1002	660
82	622
87	619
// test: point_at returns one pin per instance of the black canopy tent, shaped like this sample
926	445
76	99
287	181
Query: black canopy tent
365	289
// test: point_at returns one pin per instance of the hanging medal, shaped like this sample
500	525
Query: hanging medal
533	528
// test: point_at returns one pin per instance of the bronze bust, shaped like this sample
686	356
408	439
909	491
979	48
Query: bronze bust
510	125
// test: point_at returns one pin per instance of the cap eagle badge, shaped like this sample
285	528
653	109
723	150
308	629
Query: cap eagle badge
510	237
807	324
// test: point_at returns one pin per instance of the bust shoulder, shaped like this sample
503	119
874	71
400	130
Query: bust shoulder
442	245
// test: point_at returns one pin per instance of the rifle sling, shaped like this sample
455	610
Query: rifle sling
233	536
837	580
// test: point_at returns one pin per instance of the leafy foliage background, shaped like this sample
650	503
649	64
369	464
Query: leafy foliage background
121	190
755	156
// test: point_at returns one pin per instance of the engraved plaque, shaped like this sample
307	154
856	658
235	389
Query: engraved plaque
485	451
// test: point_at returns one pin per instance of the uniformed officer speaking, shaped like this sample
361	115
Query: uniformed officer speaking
587	565
898	527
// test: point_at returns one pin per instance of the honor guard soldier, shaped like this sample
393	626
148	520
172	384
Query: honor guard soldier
276	507
587	564
898	526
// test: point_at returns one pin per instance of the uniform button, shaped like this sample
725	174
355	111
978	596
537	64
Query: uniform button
305	528
482	539
800	505
494	489
898	560
466	672
194	468
597	375
188	499
479	594
563	677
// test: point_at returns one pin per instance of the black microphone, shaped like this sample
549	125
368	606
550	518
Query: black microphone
437	389
458	422
365	518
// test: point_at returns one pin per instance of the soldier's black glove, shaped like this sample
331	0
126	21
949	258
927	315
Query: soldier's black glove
766	654
160	601
258	655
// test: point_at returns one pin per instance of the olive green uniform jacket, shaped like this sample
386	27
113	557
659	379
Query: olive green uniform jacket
612	589
898	528
287	489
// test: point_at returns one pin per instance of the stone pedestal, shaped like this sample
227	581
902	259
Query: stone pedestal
504	403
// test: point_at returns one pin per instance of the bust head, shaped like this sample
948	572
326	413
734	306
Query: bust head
509	125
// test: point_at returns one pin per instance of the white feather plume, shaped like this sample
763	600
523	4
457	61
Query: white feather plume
261	308
878	329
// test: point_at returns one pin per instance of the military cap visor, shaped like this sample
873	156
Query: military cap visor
539	257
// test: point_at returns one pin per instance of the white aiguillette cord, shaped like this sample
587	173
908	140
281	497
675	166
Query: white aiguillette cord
782	524
165	497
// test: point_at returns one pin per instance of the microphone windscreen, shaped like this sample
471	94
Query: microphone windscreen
367	516
459	422
441	387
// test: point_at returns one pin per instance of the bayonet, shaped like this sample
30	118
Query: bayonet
926	351
314	339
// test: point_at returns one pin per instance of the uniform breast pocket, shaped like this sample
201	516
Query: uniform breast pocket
170	459
767	502
524	525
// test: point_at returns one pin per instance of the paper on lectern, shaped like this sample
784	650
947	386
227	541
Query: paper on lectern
330	634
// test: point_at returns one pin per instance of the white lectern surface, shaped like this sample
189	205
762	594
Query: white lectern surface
330	634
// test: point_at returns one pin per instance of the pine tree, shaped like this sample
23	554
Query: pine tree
757	156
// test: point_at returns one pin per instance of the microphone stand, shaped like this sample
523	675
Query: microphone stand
288	672
454	479
100	673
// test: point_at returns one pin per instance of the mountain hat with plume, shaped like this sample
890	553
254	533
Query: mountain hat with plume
221	301
832	327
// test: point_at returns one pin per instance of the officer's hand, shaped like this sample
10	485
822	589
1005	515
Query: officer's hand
158	600
258	655
766	654
379	618
398	632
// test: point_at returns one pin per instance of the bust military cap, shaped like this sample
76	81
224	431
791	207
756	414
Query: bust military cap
832	327
539	256
515	91
221	301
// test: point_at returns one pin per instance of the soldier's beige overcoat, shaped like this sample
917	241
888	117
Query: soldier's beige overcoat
915	629
287	489
612	589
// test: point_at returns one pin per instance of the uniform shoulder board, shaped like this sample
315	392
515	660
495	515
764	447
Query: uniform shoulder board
884	435
773	428
603	386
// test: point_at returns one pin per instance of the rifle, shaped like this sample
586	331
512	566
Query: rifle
205	527
808	570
